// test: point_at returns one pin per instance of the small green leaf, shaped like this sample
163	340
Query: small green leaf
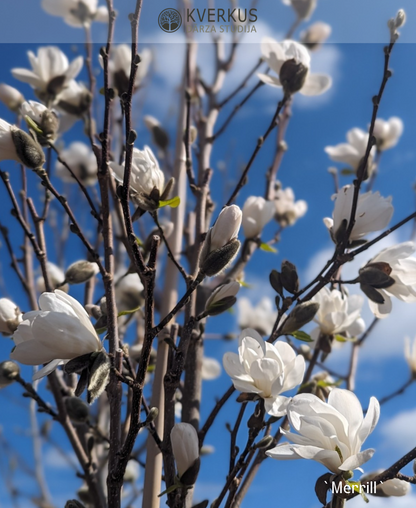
139	242
33	125
151	368
341	338
347	172
101	330
302	336
173	203
267	248
127	312
244	284
325	384
172	488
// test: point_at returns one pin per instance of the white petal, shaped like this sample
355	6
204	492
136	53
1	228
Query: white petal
357	460
269	80
316	84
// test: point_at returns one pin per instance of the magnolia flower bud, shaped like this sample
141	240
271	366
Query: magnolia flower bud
10	316
289	277
293	76
73	503
400	18
80	272
315	35
45	120
276	282
159	135
221	244
300	316
77	410
11	97
264	443
8	373
28	150
303	8
153	414
388	488
193	134
222	298
376	276
185	448
99	375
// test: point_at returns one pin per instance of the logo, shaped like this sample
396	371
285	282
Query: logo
170	20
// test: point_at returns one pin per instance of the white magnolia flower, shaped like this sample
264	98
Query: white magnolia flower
303	8
265	369
81	160
291	62
224	291
388	132
261	317
77	13
315	35
403	271
288	211
353	151
119	66
338	314
51	71
185	447
145	172
409	354
59	331
11	97
211	368
10	316
226	227
257	212
331	433
373	213
55	275
128	291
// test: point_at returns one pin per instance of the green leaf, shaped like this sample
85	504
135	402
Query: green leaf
126	312
139	242
347	172
302	336
101	330
341	338
325	384
267	248
33	125
356	487
173	203
244	284
172	488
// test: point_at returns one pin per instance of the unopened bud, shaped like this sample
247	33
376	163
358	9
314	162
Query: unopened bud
193	134
8	373
77	410
375	277
276	282
185	448
153	414
264	443
11	97
220	258
400	18
73	503
80	272
293	76
99	376
28	150
371	293
222	298
10	316
303	8
289	277
300	316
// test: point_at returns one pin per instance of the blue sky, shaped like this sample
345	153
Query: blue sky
354	58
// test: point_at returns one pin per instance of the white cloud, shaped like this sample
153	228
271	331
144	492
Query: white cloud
399	432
